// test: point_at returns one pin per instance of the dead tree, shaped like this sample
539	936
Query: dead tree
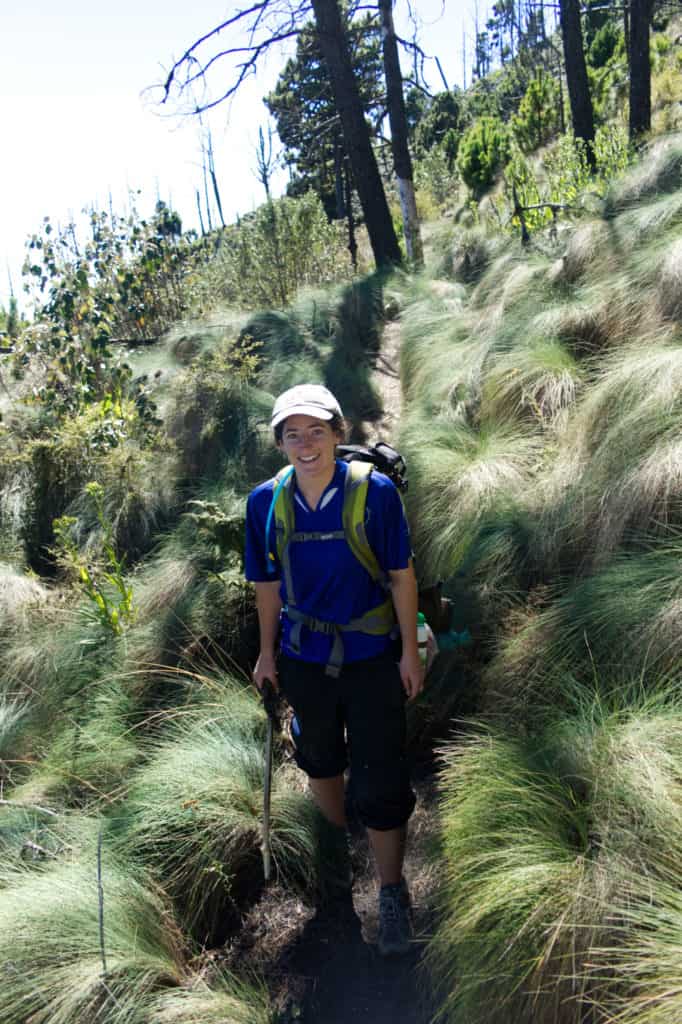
366	178
582	114
640	68
397	116
263	25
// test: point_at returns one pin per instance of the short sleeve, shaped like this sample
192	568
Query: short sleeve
386	525
256	551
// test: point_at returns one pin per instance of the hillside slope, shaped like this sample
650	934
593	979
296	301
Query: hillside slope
540	417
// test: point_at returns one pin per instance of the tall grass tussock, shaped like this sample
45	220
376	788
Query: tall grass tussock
546	837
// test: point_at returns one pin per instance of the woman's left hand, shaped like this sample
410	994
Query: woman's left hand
412	675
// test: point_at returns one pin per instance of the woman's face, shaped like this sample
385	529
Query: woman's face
309	444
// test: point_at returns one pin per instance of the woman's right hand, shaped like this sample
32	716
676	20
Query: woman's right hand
266	668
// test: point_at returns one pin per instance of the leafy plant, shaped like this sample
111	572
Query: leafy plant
114	614
223	532
285	245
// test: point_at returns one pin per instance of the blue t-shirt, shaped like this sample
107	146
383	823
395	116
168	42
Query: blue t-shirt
329	581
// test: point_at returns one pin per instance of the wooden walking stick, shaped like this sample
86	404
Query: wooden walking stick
271	705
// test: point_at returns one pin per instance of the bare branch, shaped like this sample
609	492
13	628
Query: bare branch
264	24
209	35
442	74
28	807
255	52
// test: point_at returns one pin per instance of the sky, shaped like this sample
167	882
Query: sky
80	124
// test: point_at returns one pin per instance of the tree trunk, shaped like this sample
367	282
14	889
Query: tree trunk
397	116
338	180
640	69
201	219
626	26
333	45
352	241
576	75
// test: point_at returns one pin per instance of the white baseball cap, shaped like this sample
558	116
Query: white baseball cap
305	400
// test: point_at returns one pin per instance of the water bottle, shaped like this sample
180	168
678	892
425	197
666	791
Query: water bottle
422	638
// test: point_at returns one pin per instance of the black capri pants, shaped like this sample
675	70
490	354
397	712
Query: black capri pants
356	719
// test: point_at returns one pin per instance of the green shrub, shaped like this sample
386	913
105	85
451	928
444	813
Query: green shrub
537	120
131	279
483	151
115	451
285	245
567	170
433	174
603	46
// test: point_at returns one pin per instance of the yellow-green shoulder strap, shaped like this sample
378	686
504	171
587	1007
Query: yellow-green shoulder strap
283	508
354	501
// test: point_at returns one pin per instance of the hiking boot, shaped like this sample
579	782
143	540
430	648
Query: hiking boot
395	926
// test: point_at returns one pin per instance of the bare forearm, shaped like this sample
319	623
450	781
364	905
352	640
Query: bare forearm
268	606
404	594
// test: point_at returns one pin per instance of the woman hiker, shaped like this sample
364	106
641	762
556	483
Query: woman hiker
328	549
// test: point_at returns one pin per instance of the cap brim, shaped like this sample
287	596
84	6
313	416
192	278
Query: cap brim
301	410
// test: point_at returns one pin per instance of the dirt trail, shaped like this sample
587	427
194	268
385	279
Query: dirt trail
386	379
322	964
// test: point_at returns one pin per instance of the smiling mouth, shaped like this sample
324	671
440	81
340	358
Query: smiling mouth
307	459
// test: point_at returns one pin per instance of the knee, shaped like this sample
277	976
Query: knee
382	793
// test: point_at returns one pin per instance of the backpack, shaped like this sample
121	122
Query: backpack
380	455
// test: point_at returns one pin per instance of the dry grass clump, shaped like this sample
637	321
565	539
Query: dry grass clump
646	964
213	416
449	293
618	472
52	967
140	495
590	246
515	887
218	998
194	814
670	283
492	282
626	614
460	475
537	380
163	582
20	595
472	251
12	713
586	324
438	356
542	837
641	380
643	224
660	171
646	498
